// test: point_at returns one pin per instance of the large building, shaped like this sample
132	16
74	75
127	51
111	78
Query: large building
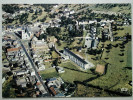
80	62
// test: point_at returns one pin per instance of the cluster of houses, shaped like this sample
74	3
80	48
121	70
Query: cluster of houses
22	10
54	85
64	12
91	40
21	66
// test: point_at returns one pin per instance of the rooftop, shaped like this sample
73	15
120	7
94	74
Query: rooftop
13	49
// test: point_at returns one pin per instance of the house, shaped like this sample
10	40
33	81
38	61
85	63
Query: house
13	51
54	85
55	6
41	88
22	82
45	25
41	67
94	43
60	69
72	12
3	80
88	42
27	32
53	91
32	79
21	71
92	21
76	59
32	72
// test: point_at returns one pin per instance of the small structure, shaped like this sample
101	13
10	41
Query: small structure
60	69
22	82
41	88
54	85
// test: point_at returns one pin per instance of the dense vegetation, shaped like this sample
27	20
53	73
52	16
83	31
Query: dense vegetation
12	8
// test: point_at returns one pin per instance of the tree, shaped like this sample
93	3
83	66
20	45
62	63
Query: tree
7	90
10	8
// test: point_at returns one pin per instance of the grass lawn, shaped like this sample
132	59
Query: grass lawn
54	54
86	91
47	64
63	44
129	55
49	73
117	75
127	29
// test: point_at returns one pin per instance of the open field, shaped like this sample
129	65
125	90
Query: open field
49	73
118	74
73	73
126	29
116	9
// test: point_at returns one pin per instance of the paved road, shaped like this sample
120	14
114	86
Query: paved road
33	65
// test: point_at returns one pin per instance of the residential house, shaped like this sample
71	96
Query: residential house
88	42
41	88
54	85
60	69
11	52
32	72
32	79
22	82
94	43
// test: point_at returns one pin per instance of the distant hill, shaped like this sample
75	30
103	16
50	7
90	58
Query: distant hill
122	8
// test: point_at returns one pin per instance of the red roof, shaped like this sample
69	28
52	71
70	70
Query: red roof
38	83
13	49
53	91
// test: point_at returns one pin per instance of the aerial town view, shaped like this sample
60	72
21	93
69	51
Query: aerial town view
66	50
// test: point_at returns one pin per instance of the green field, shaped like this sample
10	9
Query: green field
118	74
49	73
74	73
129	55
